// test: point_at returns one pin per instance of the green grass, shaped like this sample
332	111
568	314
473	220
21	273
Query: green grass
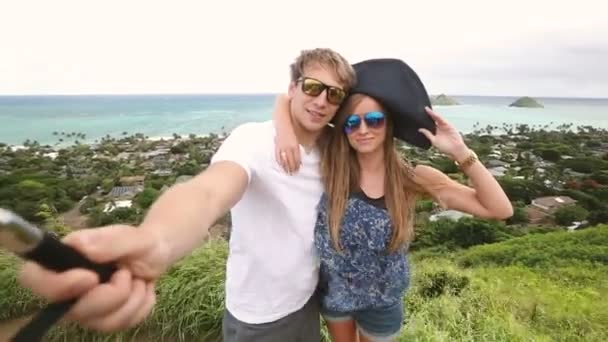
15	301
510	303
190	302
549	287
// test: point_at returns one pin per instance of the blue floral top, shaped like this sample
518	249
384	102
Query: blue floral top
364	274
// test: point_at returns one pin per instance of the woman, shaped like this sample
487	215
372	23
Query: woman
365	217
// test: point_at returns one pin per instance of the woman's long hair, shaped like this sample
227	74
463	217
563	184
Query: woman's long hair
340	172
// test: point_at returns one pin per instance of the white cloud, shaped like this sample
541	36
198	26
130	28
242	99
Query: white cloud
245	46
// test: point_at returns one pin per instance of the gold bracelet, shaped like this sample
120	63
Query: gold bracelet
468	161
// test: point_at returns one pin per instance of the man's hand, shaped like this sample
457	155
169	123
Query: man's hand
127	299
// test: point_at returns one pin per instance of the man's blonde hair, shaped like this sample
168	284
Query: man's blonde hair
328	58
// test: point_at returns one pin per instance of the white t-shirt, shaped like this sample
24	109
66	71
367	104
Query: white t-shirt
272	269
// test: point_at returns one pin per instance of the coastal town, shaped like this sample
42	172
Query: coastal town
553	175
556	176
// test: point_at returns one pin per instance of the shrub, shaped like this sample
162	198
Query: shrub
566	215
463	233
435	284
589	246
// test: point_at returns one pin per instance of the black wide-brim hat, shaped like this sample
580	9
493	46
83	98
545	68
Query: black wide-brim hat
398	88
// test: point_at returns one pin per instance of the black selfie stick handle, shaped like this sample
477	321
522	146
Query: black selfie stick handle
56	256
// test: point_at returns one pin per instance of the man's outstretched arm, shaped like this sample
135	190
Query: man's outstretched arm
176	224
182	216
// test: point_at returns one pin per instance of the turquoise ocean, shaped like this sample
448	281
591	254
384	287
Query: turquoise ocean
37	117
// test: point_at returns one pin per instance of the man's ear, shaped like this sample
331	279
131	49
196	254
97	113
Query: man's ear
292	90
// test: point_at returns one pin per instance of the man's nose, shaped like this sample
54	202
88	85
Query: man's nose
321	99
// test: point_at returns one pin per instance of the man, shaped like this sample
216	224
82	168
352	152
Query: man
271	270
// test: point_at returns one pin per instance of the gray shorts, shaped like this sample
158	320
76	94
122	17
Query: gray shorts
303	325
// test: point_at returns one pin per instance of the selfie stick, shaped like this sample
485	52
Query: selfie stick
32	243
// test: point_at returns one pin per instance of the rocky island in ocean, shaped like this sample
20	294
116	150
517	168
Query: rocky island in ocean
526	102
443	100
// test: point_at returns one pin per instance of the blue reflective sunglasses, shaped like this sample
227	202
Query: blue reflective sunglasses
372	120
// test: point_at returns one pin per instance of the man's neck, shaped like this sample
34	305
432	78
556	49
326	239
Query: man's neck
305	137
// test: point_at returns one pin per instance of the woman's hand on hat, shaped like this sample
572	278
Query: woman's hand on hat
446	139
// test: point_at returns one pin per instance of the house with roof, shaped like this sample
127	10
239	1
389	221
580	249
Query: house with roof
163	172
550	204
541	209
495	155
132	180
124	192
128	188
497	163
111	206
155	153
498	171
183	179
453	215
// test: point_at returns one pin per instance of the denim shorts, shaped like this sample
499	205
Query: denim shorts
378	324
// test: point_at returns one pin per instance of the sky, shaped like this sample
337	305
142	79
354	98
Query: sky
511	48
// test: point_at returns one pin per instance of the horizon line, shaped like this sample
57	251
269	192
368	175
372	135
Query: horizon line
275	93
